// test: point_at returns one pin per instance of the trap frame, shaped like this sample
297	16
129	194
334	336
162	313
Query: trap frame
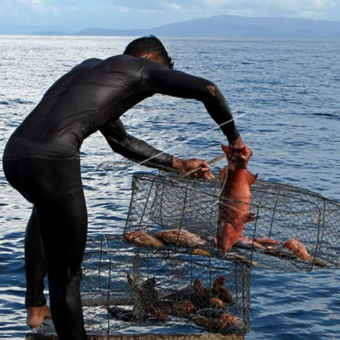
167	201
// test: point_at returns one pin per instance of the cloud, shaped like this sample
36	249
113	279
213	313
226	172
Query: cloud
176	7
38	7
319	9
31	2
122	9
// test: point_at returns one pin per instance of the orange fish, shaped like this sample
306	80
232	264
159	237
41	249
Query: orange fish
226	320
248	243
140	239
297	248
180	237
234	206
265	240
187	307
215	302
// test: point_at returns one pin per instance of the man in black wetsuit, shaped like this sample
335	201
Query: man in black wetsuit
42	162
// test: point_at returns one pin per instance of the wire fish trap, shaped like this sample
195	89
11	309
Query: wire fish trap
124	286
293	229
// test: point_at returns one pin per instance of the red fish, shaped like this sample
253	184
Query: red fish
265	240
234	206
248	243
226	320
180	237
297	248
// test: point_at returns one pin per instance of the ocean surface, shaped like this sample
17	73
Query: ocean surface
287	96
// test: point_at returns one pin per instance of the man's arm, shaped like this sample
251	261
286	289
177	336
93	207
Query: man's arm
182	85
133	148
141	152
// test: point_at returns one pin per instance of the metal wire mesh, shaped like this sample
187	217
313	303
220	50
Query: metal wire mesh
125	286
282	212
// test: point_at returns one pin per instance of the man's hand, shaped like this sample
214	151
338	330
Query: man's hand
239	155
184	166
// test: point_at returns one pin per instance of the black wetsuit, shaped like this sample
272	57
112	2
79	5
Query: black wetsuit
42	162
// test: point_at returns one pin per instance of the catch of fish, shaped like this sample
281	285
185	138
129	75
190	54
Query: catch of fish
213	307
183	238
233	215
205	307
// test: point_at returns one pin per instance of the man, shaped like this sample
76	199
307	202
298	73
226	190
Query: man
42	162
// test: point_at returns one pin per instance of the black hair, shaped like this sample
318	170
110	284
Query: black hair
149	44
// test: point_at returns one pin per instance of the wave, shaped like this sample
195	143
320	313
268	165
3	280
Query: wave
15	101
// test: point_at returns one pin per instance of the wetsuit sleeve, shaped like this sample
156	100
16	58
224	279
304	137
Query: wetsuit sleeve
183	85
135	149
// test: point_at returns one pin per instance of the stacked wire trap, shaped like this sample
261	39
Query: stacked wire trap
292	229
125	286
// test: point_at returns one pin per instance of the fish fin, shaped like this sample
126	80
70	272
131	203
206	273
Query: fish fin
251	217
244	150
221	173
247	218
226	149
252	178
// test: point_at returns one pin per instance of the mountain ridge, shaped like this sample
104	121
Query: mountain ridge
218	26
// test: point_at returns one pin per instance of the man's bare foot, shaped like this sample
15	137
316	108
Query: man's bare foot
36	315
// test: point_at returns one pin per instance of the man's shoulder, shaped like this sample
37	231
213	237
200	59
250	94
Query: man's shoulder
132	62
124	59
92	61
87	63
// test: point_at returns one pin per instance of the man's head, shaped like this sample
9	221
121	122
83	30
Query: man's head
151	48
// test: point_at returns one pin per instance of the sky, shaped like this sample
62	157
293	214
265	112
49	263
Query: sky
129	14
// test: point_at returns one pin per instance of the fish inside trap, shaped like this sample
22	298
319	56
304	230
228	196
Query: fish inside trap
280	224
124	286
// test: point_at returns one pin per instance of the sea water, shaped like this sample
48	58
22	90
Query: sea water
285	96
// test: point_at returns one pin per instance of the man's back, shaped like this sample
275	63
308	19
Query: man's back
81	102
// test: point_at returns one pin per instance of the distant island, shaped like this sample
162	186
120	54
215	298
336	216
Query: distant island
220	26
